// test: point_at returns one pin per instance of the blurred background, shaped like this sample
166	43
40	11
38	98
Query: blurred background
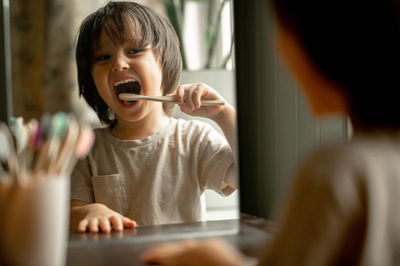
44	79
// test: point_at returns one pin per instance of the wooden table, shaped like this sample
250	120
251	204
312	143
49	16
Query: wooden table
248	234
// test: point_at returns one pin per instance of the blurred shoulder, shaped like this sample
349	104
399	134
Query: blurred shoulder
364	157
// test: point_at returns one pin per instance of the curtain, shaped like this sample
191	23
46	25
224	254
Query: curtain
41	56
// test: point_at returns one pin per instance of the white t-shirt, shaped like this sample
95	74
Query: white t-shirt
158	179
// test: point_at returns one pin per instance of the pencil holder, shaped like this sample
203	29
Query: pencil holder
35	221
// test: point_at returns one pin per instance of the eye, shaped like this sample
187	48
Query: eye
135	51
102	58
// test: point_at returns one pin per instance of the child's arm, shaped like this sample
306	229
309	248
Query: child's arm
195	252
190	95
95	216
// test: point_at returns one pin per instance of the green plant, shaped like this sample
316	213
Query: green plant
176	11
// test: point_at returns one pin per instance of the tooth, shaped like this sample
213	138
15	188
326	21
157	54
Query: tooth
124	81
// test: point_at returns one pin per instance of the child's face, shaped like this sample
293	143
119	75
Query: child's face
122	67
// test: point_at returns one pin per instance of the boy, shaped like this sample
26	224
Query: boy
145	168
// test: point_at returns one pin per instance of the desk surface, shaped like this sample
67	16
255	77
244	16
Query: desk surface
248	234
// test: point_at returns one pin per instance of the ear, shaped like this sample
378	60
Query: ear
323	95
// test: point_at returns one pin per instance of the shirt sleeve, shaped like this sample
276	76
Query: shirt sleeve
324	219
81	184
215	159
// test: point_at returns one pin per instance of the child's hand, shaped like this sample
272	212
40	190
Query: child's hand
192	252
97	217
189	97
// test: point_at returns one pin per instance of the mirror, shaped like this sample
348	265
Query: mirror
43	38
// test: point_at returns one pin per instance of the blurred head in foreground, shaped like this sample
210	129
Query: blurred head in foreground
345	63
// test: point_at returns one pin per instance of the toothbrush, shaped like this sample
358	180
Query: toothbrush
133	97
9	152
68	145
48	152
81	148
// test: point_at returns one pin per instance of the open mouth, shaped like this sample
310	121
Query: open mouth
127	86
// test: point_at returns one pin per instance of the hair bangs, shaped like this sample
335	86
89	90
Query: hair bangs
122	26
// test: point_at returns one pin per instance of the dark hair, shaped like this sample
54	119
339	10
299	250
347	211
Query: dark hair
355	43
151	28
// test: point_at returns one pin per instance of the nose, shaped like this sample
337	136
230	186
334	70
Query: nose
120	63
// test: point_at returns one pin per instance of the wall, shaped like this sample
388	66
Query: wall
276	128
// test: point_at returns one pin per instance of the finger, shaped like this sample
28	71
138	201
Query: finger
180	94
94	225
128	223
116	223
82	226
104	225
189	97
197	95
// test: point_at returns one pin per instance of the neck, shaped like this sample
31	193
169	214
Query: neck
142	128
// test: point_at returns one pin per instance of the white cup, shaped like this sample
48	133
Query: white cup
35	221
